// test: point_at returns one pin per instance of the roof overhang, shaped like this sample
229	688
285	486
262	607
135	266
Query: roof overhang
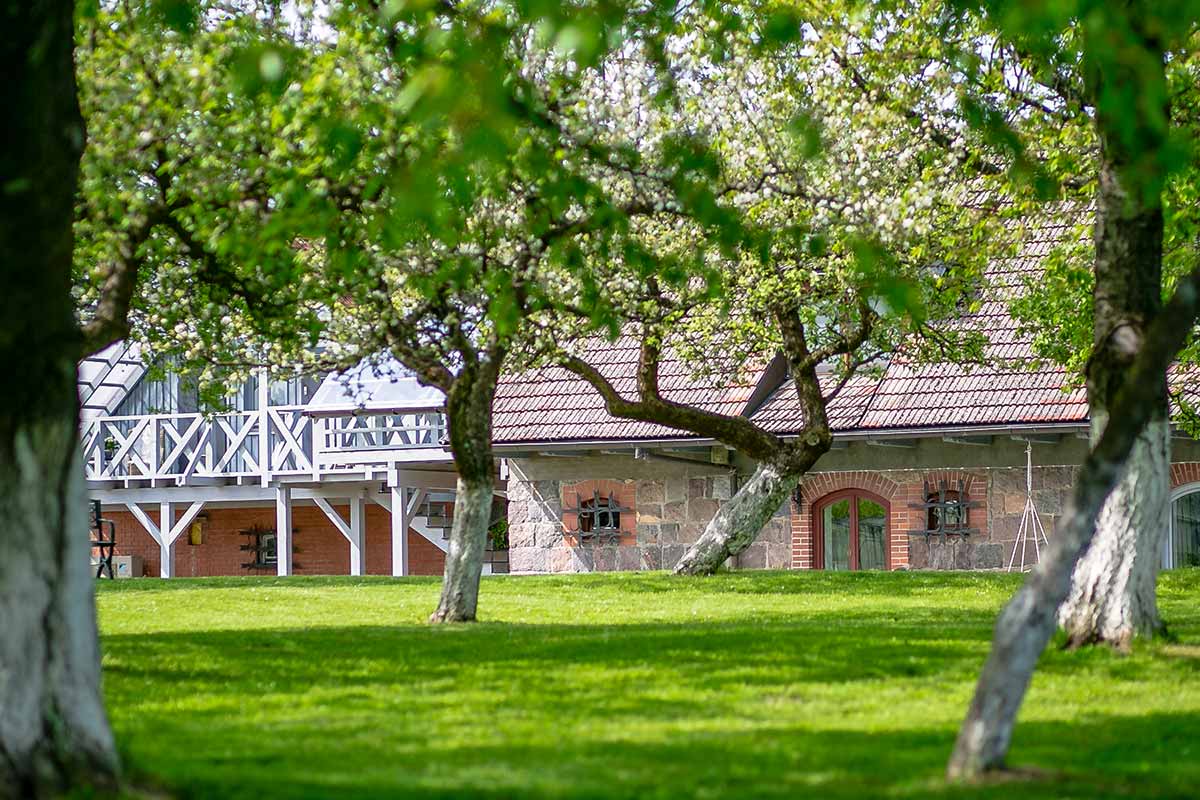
1013	429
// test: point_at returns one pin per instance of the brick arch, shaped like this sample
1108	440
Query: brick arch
814	487
1183	474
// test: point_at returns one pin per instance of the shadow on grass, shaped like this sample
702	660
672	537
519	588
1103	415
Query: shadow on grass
858	702
582	711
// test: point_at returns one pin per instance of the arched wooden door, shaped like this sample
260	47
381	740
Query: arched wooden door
852	531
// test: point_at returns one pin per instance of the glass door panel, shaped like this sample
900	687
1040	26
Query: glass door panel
835	524
872	527
1184	550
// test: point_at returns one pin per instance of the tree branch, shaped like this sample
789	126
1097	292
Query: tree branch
110	322
735	431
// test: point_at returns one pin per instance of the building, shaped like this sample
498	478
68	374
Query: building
348	475
342	476
929	466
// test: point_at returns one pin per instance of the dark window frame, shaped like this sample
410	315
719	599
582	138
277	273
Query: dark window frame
963	511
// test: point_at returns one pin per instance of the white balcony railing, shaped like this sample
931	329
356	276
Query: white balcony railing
182	447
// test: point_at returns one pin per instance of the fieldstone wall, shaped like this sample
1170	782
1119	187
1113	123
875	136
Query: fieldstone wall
999	495
1007	493
670	513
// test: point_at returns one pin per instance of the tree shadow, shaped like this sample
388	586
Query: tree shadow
762	708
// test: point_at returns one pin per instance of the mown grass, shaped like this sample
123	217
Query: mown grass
624	685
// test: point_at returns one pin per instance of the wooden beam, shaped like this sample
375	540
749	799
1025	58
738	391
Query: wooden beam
1038	438
166	558
337	519
400	519
907	444
184	521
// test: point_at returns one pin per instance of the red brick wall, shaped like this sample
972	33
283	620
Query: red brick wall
1183	474
900	489
319	548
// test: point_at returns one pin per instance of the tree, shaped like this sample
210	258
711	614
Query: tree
54	733
1123	57
1026	90
844	234
409	179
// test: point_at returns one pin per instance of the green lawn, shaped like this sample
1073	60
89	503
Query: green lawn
640	685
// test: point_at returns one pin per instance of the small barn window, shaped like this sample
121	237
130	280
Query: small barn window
261	544
599	516
948	509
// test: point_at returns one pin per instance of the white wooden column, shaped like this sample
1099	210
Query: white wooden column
166	558
264	432
357	537
400	518
283	530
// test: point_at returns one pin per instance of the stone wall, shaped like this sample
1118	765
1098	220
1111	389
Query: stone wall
672	505
669	514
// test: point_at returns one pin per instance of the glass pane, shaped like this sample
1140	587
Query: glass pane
1185	532
835	523
872	522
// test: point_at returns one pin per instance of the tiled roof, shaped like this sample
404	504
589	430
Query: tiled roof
552	405
951	395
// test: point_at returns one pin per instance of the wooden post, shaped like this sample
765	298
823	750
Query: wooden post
358	521
399	531
264	430
283	530
166	521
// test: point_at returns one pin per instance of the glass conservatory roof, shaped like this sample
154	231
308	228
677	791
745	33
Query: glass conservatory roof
379	385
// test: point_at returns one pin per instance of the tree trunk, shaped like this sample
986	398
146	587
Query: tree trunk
737	524
1113	591
53	731
464	562
1029	620
469	412
1135	344
1113	588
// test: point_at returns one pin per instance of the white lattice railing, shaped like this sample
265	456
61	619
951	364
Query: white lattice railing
381	432
181	447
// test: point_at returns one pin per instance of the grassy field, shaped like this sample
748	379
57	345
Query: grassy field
624	685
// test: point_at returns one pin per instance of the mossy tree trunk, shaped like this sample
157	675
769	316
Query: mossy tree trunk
54	734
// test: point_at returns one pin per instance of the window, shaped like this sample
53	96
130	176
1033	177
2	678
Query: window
851	531
951	509
1183	544
599	515
947	511
261	544
267	553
